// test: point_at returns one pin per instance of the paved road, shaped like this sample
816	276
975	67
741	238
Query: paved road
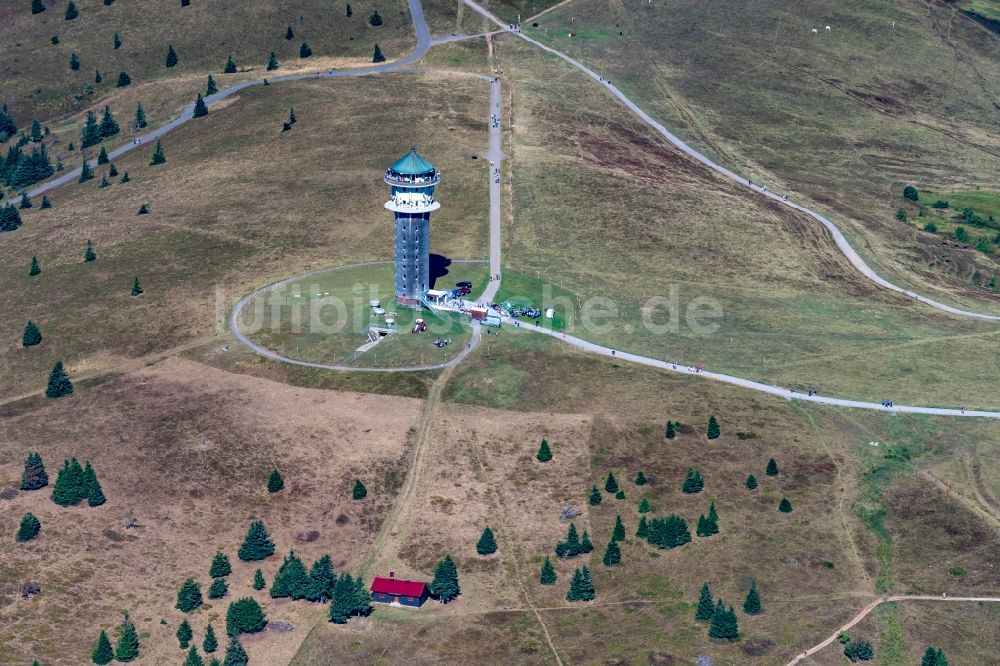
872	606
838	237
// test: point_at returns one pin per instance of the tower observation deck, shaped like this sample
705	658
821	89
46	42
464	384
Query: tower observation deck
412	179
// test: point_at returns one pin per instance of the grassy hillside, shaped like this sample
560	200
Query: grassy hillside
894	93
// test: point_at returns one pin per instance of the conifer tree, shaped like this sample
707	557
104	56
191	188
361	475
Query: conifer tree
218	588
702	529
487	544
544	452
45	202
291	579
59	383
193	658
67	490
669	532
123	79
34	476
245	616
257	545
210	644
71	11
25	201
200	108
35	269
36	131
693	482
547	576
220	565
211	88
184	634
235	654
103	653
644	505
724	625
359	491
585	545
158	155
230	67
32	336
859	650
29	527
643	529
37	6
751	482
772	467
117	42
640	478
342	603
126	179
86	173
89	255
102	157
713	430
8	127
751	605
375	20
92	487
258	580
90	135
109	126
377	56
706	606
618	533
321	580
128	641
97	76
445	585
934	657
305	51
350	11
581	588
140	117
611	483
74	62
143	208
291	116
272	62
188	596
171	56
612	554
784	506
274	482
289	35
104	182
10	219
671	430
594	498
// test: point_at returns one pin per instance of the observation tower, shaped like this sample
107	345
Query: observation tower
412	179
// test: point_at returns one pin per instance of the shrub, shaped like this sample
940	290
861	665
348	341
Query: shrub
30	526
910	192
940	203
859	650
961	235
901	214
931	227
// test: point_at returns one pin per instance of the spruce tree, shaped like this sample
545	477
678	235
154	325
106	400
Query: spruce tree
126	179
35	268
74	62
184	634
375	20
643	529
612	554
123	79
117	42
859	650
275	483
230	67
88	254
37	7
32	336
71	11
218	588
640	478
706	606
350	11
188	596
751	605
210	644
220	565
305	51
724	626
25	201
104	182
36	131
377	56
594	498
45	202
211	88
585	545
29	527
109	126
112	171
547	576
581	588
618	533
321	580
128	641
544	452
193	658
257	545
59	383
92	487
751	482
200	108
34	476
611	484
158	156
67	489
620	495
97	76
291	580
86	173
291	116
445	586
258	580
103	652
171	56
713	430
487	544
702	529
90	135
289	35
10	219
272	62
644	505
235	654
693	482
784	506
102	157
772	467
140	116
245	616
934	657
359	492
671	430
342	604
143	208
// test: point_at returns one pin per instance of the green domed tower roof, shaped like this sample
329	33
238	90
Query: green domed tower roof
412	164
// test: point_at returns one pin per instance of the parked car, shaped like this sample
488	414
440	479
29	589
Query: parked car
464	283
